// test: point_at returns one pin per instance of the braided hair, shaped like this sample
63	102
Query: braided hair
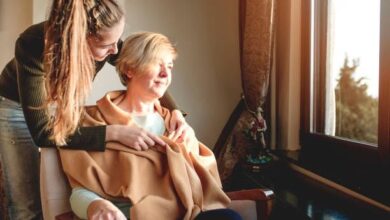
68	61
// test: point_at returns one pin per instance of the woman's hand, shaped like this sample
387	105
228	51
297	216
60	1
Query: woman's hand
132	136
104	210
179	130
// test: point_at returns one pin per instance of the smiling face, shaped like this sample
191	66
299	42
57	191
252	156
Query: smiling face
145	64
105	42
152	81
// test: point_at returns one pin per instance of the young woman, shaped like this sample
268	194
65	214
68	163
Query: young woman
43	89
178	180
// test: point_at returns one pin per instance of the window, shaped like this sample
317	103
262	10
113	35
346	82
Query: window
345	93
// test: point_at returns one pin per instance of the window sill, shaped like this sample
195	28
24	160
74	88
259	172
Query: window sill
300	197
370	182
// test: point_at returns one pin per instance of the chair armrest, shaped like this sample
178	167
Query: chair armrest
251	194
263	198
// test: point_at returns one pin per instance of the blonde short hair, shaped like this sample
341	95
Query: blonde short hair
139	50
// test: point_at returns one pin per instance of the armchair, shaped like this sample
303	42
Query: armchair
55	192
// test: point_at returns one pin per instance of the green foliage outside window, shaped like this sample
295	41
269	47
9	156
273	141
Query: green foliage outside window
356	111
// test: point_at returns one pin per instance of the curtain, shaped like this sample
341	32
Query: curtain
256	30
330	97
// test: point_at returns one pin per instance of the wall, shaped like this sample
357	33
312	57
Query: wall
40	10
206	81
15	16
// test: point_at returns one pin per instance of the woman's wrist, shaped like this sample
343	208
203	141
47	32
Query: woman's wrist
112	132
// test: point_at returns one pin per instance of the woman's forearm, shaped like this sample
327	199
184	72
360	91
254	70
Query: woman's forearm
132	136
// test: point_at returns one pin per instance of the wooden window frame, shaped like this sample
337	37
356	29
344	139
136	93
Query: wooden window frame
371	159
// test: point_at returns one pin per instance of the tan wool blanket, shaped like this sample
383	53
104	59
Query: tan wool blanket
174	182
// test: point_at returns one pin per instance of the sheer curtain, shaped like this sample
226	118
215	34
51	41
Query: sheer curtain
330	98
257	24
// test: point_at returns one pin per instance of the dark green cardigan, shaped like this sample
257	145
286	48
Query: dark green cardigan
22	80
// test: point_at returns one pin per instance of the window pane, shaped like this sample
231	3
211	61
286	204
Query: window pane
352	69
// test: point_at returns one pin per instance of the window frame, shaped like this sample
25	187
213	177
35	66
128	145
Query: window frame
371	158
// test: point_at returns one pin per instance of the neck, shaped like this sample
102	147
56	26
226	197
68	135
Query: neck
136	103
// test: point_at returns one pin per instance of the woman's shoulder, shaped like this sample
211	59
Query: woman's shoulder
31	41
35	31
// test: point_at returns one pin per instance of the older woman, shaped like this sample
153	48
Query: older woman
176	180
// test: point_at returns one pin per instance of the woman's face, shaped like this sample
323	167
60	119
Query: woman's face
106	43
155	80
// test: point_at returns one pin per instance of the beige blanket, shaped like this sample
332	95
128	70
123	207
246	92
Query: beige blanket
175	182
